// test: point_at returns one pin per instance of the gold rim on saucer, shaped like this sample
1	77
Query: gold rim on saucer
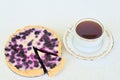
83	57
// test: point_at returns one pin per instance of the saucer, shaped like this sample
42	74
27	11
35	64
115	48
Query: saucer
105	49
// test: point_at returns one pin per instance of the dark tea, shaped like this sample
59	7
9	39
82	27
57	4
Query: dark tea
89	30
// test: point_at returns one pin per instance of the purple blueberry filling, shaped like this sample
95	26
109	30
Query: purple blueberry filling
47	33
50	61
13	40
30	43
29	48
38	43
7	55
48	43
23	37
12	60
51	65
7	49
18	66
37	32
17	37
20	45
18	59
17	53
29	62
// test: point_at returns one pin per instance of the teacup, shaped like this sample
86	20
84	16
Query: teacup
88	34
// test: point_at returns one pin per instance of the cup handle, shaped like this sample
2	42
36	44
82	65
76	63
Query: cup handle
69	29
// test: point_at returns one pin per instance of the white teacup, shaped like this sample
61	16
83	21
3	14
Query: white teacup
88	35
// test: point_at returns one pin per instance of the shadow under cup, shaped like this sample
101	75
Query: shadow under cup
88	35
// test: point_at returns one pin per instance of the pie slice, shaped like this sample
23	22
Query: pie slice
21	57
49	61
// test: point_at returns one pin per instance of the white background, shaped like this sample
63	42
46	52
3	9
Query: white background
57	15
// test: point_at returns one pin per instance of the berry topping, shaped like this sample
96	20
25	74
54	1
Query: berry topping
18	66
37	32
30	43
22	49
29	48
7	49
17	37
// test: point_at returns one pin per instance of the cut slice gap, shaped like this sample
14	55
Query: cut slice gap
41	62
44	51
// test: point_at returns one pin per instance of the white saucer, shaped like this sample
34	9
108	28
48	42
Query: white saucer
103	51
